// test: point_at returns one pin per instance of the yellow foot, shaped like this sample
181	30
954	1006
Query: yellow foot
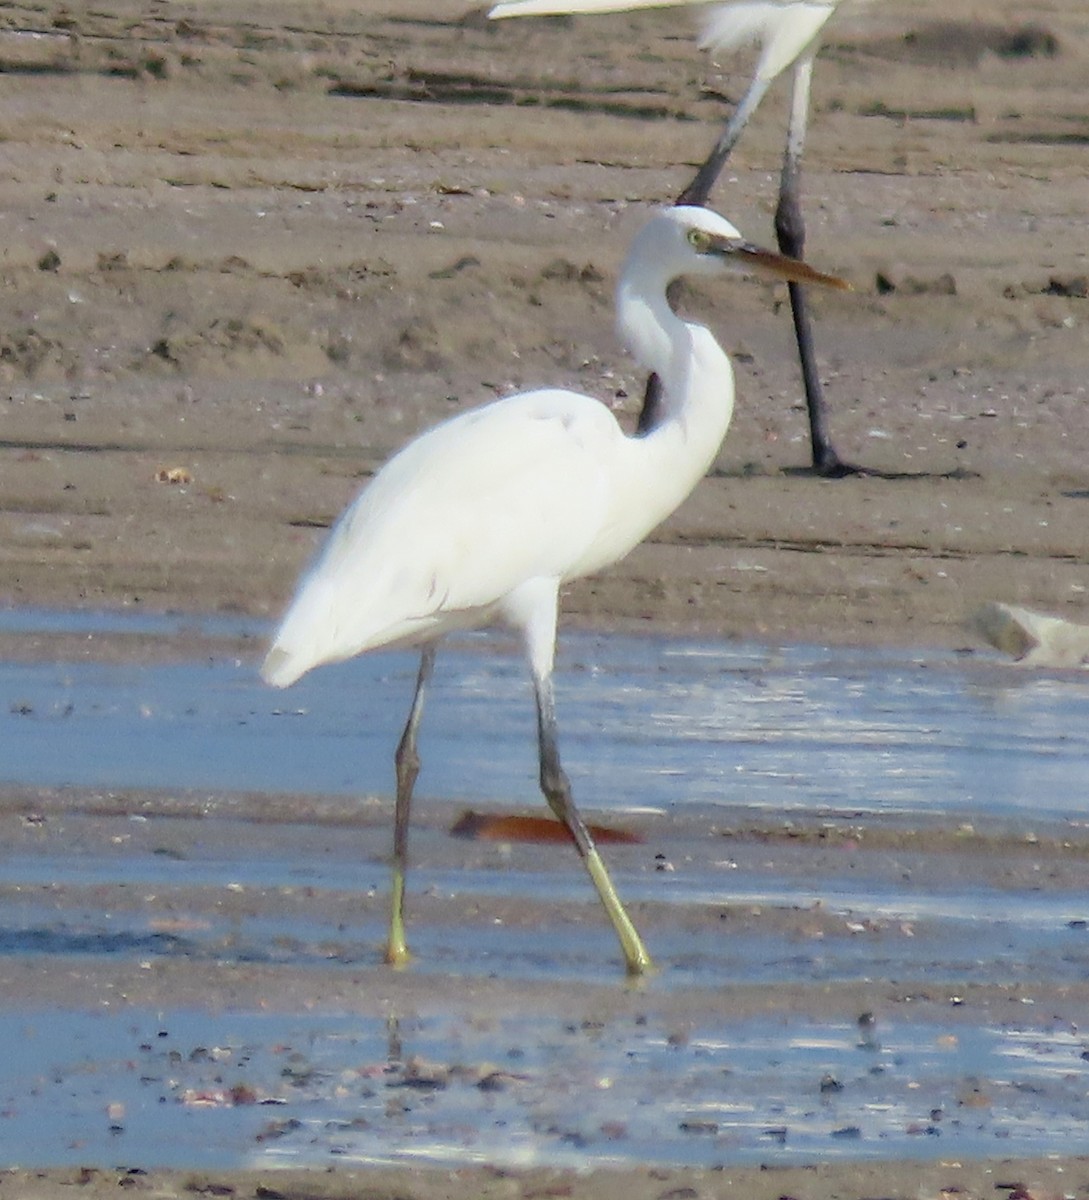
640	964
397	956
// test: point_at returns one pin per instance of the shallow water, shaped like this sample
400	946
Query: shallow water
644	723
278	1090
653	730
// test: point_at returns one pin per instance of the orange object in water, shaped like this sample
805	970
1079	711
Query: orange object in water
506	827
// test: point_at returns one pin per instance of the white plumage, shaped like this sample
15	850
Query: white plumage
540	485
485	516
782	28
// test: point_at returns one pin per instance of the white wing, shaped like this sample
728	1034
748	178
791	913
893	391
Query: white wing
546	8
784	30
462	515
732	26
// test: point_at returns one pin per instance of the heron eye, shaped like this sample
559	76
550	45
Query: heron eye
699	240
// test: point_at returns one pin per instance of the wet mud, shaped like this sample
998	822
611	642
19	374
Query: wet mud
864	950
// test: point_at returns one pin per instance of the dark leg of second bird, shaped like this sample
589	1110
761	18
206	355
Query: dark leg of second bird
790	234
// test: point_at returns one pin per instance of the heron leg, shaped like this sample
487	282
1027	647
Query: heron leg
650	415
790	232
532	608
557	791
407	762
699	190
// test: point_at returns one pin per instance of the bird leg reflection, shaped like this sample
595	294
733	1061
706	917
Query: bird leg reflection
407	762
557	791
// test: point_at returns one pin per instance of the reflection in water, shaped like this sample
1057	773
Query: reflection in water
190	1090
670	726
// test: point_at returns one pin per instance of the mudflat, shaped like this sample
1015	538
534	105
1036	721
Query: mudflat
247	254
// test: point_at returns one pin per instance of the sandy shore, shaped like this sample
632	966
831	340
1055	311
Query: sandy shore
246	253
1016	1178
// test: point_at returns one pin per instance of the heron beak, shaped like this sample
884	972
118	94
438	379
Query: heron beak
767	262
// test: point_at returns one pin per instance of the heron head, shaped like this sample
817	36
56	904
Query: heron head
697	241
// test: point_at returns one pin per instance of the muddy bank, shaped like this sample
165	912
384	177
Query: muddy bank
252	257
828	987
974	1181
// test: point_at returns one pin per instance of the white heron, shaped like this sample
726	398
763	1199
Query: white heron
788	32
482	518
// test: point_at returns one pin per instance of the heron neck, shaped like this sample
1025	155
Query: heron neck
695	372
653	472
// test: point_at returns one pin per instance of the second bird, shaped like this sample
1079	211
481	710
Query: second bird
788	33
